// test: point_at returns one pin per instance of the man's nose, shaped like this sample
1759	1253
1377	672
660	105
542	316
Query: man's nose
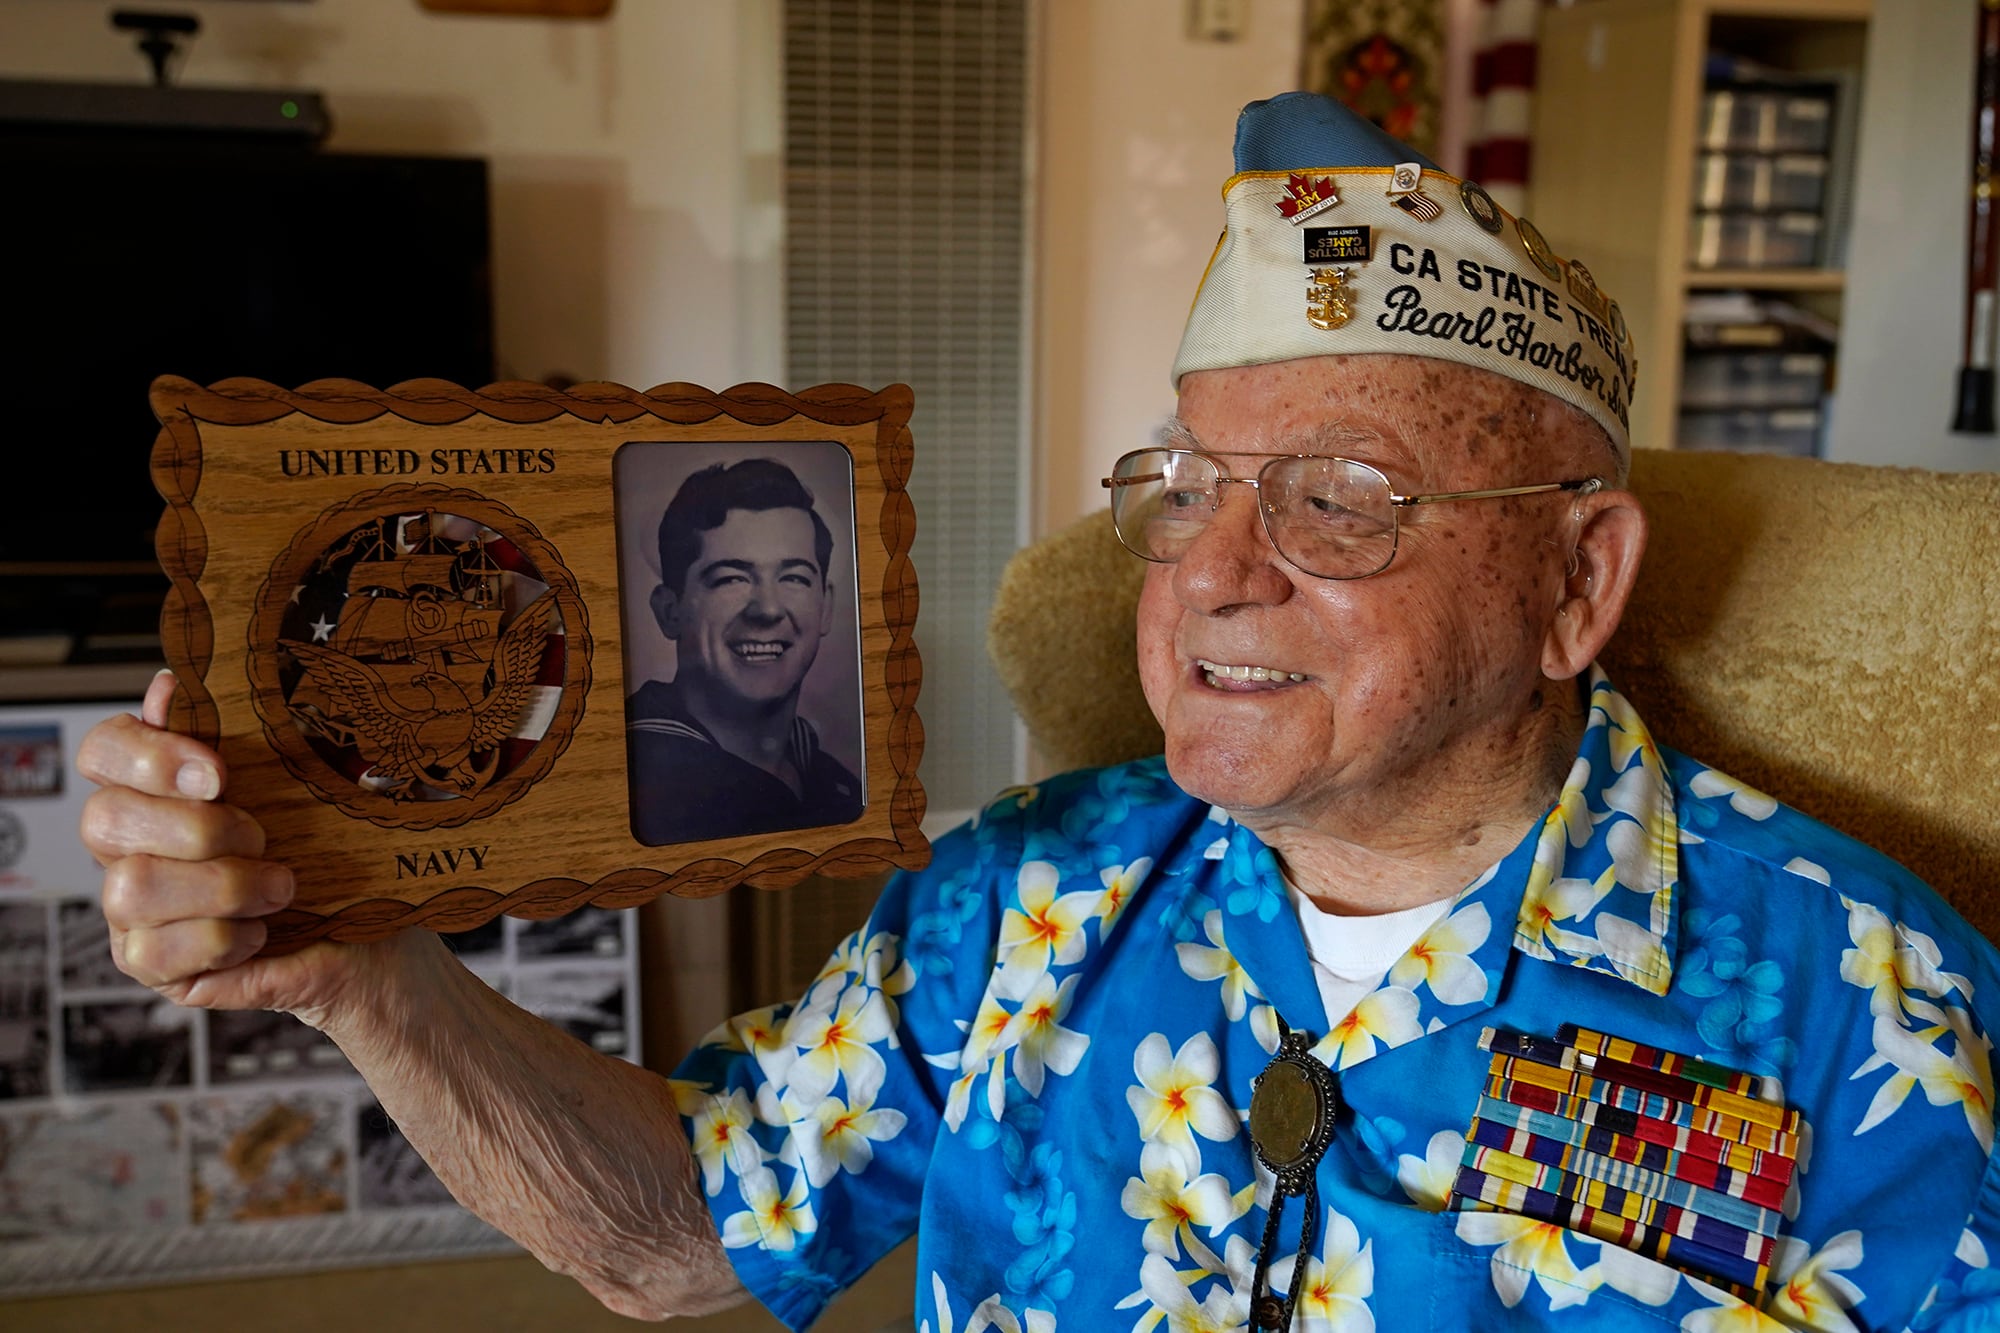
1232	562
767	603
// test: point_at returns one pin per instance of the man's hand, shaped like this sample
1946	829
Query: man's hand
186	885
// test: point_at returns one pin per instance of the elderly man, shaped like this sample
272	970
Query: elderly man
720	750
1415	986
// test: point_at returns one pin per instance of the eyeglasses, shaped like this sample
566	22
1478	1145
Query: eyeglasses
1334	518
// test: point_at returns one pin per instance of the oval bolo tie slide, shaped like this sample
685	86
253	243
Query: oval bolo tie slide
1292	1108
1293	1105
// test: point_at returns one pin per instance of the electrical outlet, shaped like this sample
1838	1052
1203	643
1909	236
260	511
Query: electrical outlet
1217	20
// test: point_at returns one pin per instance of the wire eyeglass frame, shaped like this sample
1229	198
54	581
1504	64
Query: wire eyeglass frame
1131	527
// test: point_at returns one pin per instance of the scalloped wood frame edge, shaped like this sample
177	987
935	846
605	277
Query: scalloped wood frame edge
200	626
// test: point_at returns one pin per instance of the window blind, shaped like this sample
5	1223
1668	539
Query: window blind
906	217
905	206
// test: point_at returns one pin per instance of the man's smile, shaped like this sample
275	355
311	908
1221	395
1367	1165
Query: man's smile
759	650
1237	676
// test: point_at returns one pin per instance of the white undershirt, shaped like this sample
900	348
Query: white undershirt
1351	954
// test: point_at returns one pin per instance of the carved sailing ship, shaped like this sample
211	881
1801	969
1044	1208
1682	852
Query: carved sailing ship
418	677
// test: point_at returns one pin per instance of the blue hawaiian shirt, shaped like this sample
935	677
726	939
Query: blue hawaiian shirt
1037	1056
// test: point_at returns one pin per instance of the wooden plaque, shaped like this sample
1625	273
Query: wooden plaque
427	630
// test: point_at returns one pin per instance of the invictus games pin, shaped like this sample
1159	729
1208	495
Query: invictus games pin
1479	206
1329	299
1305	197
1403	188
1339	245
1538	249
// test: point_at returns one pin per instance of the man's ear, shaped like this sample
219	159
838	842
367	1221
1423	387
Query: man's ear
666	605
1610	542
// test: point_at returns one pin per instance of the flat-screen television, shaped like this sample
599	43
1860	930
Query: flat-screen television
129	255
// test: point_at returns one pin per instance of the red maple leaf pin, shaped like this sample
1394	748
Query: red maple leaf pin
1306	195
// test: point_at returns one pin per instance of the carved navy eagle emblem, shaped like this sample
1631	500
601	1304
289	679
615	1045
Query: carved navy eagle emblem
430	719
406	664
427	721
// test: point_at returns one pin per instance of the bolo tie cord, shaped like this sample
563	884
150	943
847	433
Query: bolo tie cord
1308	1226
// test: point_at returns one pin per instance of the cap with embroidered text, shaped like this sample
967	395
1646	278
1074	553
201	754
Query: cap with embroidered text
1341	240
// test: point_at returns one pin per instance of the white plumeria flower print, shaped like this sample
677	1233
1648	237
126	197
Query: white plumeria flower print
1385	1017
1045	930
1806	1291
1041	1044
1635	952
1889	959
842	1137
720	1137
1428	1179
1441	958
1223	1310
1171	1205
1120	883
838	1043
1529	1250
1175	1098
773	1221
989	1313
1963	1078
1334	1296
1745	800
1548	901
1811	870
1217	963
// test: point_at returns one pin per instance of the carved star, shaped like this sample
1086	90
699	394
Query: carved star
321	628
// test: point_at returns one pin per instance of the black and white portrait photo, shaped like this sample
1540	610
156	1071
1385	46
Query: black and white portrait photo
742	635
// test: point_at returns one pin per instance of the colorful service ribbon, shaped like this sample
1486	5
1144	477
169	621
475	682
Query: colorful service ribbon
1676	1158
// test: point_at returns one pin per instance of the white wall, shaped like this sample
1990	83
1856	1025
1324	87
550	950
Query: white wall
1136	126
636	224
1902	315
634	166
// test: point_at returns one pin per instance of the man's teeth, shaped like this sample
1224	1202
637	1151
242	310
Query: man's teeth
1218	671
757	650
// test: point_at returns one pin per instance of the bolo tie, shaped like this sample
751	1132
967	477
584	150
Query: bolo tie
1292	1108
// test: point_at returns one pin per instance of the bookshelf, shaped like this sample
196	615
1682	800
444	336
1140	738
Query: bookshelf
1616	136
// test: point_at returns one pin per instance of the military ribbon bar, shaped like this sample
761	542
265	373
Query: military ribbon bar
1557	1054
1679	1159
1657	1106
1735	1211
1737	1178
1477	1190
1666	1062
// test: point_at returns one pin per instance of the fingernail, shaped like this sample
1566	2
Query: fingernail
198	780
275	884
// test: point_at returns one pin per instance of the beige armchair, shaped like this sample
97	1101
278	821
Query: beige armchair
1826	632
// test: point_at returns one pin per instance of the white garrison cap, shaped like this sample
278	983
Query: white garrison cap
1342	240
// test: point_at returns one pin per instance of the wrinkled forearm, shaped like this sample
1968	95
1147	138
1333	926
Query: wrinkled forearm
577	1156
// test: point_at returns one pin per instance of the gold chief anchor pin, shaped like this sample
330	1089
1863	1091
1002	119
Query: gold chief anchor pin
1328	298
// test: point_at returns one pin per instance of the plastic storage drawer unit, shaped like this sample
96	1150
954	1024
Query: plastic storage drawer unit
1785	430
1766	121
1754	240
1756	182
1752	379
